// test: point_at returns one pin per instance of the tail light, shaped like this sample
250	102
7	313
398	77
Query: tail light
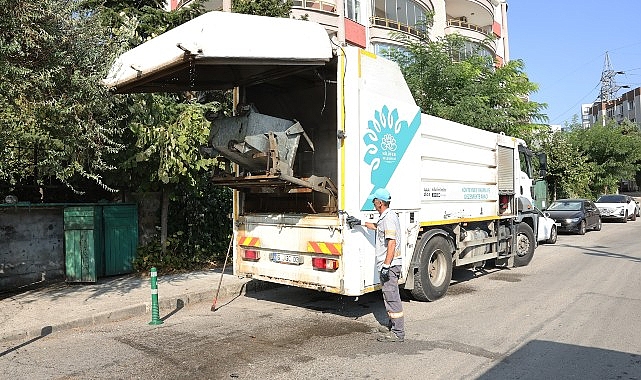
250	255
322	263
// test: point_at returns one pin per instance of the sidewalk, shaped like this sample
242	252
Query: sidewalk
63	306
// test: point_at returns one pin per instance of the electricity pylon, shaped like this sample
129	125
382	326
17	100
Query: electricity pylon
609	88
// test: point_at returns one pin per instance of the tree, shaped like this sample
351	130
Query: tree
471	90
170	136
569	174
170	129
272	8
614	151
57	123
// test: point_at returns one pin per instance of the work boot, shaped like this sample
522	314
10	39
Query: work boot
390	337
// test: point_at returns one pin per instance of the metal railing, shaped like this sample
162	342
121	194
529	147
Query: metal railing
327	6
394	24
466	25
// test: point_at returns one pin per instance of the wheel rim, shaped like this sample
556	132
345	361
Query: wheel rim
553	234
437	268
582	227
522	245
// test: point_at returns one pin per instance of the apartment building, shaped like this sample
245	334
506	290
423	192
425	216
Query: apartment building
373	24
627	106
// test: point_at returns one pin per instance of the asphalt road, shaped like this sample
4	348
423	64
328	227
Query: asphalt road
573	313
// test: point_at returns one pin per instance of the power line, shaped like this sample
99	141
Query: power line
581	101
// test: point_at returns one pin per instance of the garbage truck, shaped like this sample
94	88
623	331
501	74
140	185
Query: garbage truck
318	127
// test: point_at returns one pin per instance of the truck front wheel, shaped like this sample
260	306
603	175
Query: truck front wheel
524	245
435	269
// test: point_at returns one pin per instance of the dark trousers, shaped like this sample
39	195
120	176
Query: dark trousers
393	304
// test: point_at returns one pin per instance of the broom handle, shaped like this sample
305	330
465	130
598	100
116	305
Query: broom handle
222	273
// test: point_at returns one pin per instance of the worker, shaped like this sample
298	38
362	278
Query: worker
388	263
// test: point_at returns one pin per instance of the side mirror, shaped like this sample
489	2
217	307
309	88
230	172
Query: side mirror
543	165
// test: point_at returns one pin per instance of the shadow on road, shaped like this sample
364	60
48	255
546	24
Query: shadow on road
44	332
598	251
370	303
346	306
541	359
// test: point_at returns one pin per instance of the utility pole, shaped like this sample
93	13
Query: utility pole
609	87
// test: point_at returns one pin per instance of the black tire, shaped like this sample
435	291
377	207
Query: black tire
582	228
553	236
435	269
633	217
525	245
638	212
598	226
625	219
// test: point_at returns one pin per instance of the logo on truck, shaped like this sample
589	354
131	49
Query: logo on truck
386	140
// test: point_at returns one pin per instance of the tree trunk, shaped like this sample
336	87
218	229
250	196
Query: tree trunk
163	219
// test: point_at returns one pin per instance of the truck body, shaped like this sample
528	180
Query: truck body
318	128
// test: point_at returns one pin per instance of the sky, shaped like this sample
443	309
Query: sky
563	44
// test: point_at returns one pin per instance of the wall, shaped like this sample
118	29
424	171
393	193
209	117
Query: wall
31	246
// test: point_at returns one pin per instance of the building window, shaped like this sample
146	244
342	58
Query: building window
405	15
324	5
353	10
630	105
383	49
471	48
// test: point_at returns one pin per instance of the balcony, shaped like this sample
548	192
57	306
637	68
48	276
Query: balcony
326	6
463	24
323	12
393	24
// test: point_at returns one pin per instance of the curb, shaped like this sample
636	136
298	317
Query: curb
172	303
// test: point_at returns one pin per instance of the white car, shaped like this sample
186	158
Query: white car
617	206
547	228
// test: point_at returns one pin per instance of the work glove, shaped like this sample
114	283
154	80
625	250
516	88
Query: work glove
385	273
352	221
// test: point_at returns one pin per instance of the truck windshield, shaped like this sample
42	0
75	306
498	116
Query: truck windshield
525	157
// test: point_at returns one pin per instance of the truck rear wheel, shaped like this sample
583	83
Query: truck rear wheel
524	245
435	269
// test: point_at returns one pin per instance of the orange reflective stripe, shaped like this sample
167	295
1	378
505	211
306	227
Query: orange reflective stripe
249	241
324	248
396	315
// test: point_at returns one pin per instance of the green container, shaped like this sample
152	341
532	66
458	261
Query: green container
121	237
83	243
541	194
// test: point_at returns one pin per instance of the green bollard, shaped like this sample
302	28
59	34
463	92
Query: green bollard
155	317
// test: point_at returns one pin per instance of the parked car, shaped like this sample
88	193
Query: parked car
547	228
575	215
619	207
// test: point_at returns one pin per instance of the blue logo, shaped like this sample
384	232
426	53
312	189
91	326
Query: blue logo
386	140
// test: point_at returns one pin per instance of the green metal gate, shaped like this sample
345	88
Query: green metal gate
83	243
121	237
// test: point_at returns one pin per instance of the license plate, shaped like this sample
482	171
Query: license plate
557	223
286	258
